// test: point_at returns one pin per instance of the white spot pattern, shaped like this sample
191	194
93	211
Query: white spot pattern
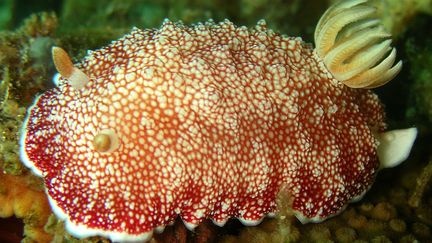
211	119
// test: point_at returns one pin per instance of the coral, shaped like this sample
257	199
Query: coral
10	122
422	182
408	239
280	229
56	229
397	15
345	234
21	194
357	222
319	233
383	216
43	24
27	201
381	239
21	77
418	52
383	211
397	225
424	211
422	230
374	227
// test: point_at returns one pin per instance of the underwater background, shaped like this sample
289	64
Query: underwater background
398	208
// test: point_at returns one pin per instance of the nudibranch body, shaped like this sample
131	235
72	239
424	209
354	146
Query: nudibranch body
210	121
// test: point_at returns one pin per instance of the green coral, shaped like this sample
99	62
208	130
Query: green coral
21	76
10	117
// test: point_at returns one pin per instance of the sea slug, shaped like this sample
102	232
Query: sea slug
208	121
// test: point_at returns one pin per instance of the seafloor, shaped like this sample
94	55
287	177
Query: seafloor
398	208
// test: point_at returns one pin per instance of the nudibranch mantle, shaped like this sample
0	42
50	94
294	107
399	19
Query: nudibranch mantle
207	121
